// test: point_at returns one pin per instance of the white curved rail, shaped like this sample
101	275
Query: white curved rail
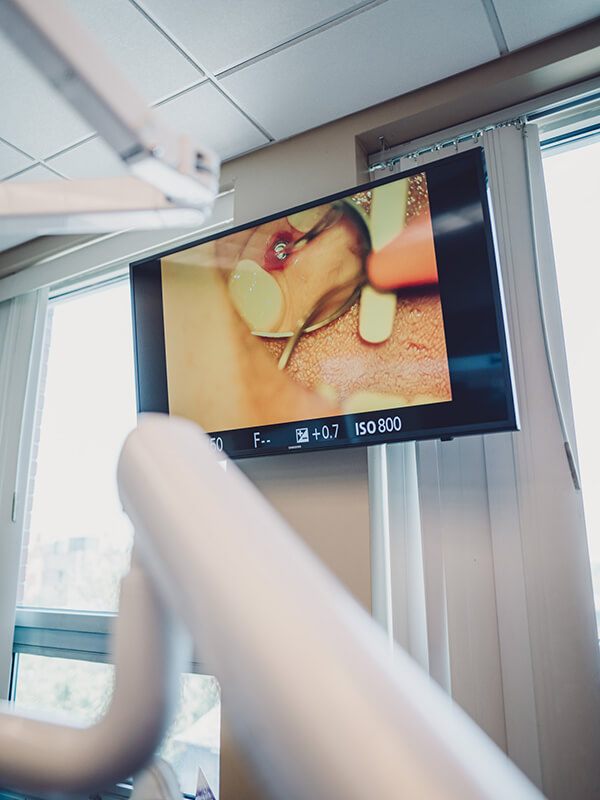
311	691
40	756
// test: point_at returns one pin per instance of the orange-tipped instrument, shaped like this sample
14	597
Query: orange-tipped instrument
403	255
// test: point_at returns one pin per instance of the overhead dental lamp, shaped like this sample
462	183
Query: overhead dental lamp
172	181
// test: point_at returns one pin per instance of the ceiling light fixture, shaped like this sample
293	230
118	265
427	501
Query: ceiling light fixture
172	181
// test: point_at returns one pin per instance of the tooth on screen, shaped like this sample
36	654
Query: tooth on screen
388	212
327	392
371	401
305	221
376	315
256	296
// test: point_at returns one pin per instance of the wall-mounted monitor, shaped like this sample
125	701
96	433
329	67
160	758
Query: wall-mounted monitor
373	315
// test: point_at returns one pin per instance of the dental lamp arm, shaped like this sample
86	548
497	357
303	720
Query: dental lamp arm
173	181
39	756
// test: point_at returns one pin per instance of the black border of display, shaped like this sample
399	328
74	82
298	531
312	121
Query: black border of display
480	375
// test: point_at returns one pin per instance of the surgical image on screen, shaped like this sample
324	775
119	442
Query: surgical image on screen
328	311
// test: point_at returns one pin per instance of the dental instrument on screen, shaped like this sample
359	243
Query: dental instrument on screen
172	181
308	683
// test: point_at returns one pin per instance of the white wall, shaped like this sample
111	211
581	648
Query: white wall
324	496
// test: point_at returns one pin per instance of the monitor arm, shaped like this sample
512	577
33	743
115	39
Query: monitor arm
313	695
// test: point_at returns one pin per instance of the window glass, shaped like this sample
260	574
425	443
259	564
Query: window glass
80	691
572	180
77	539
193	741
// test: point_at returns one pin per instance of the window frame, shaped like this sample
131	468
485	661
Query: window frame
63	634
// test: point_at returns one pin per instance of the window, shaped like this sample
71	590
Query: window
77	539
80	690
194	737
572	178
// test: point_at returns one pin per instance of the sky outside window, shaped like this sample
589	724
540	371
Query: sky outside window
572	184
79	538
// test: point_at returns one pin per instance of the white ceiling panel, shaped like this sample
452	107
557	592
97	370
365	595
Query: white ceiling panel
35	174
11	160
391	49
92	159
526	21
226	32
207	116
34	116
133	44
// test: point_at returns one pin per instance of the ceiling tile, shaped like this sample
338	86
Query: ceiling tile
527	22
92	159
370	58
154	67
11	160
34	116
229	31
35	174
209	118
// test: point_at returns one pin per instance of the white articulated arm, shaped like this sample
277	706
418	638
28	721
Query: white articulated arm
39	756
173	181
309	686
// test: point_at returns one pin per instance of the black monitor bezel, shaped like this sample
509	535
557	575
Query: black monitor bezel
430	421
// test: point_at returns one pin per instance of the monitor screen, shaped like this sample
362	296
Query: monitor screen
373	315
